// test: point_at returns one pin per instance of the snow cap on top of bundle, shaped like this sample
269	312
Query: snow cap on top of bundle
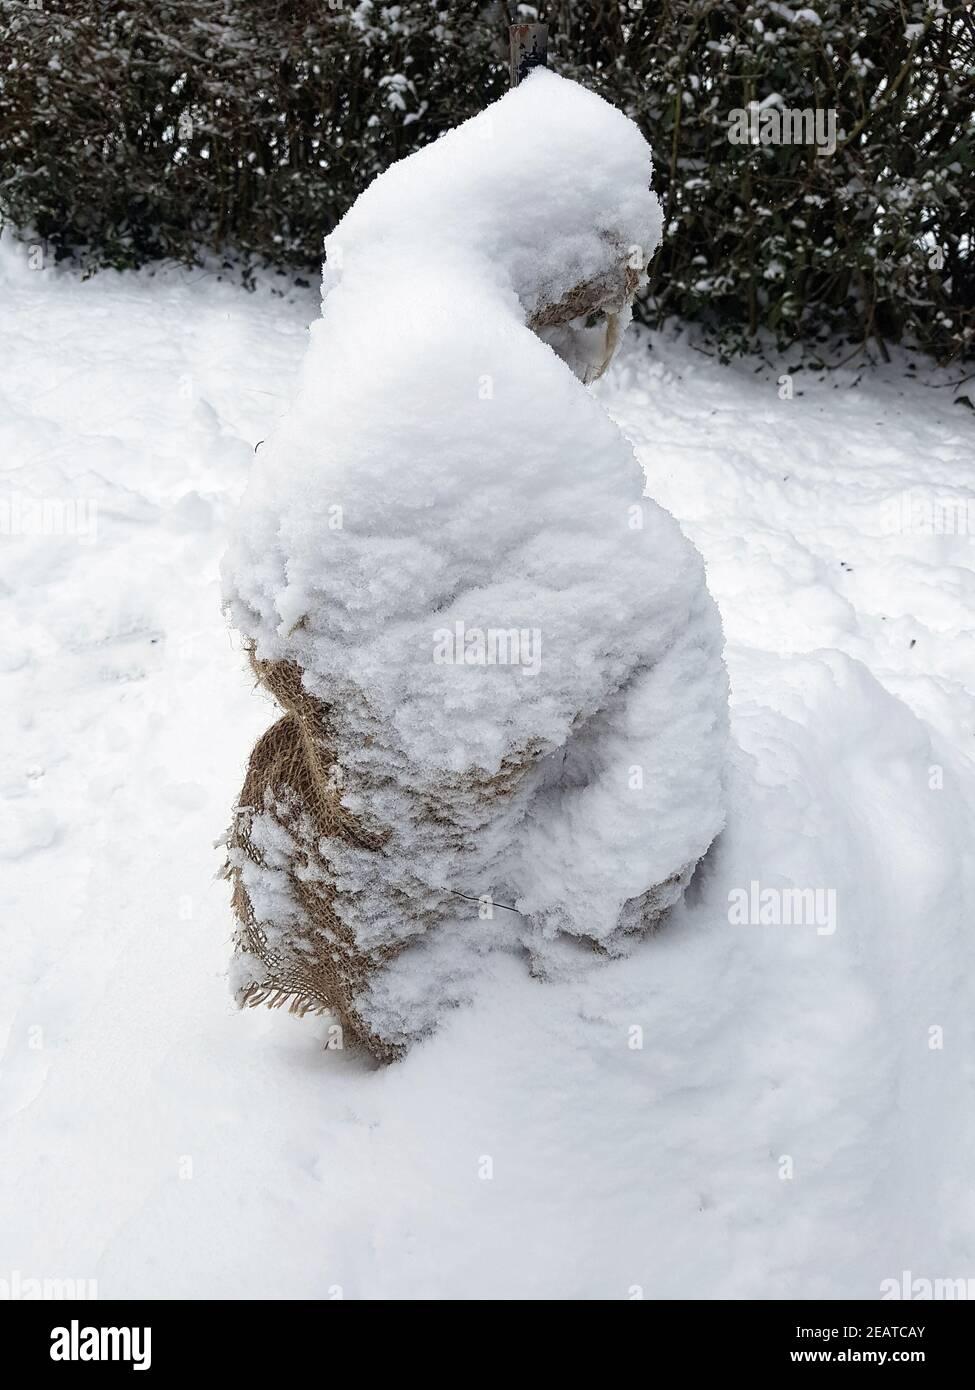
550	186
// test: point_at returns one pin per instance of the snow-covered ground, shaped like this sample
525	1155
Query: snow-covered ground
794	1123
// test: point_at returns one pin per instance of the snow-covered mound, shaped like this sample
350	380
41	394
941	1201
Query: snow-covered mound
514	653
732	1111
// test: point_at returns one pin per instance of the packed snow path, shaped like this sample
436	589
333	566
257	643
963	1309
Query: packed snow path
790	1125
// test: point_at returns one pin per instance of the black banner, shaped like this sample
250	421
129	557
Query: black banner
169	1340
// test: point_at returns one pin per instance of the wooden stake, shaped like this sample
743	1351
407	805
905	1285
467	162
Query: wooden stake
529	49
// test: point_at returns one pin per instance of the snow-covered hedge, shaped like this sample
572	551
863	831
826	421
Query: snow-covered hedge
150	129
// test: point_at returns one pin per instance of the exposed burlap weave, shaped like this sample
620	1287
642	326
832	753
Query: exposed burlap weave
603	299
292	776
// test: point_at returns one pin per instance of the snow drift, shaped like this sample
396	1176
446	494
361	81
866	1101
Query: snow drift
501	669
